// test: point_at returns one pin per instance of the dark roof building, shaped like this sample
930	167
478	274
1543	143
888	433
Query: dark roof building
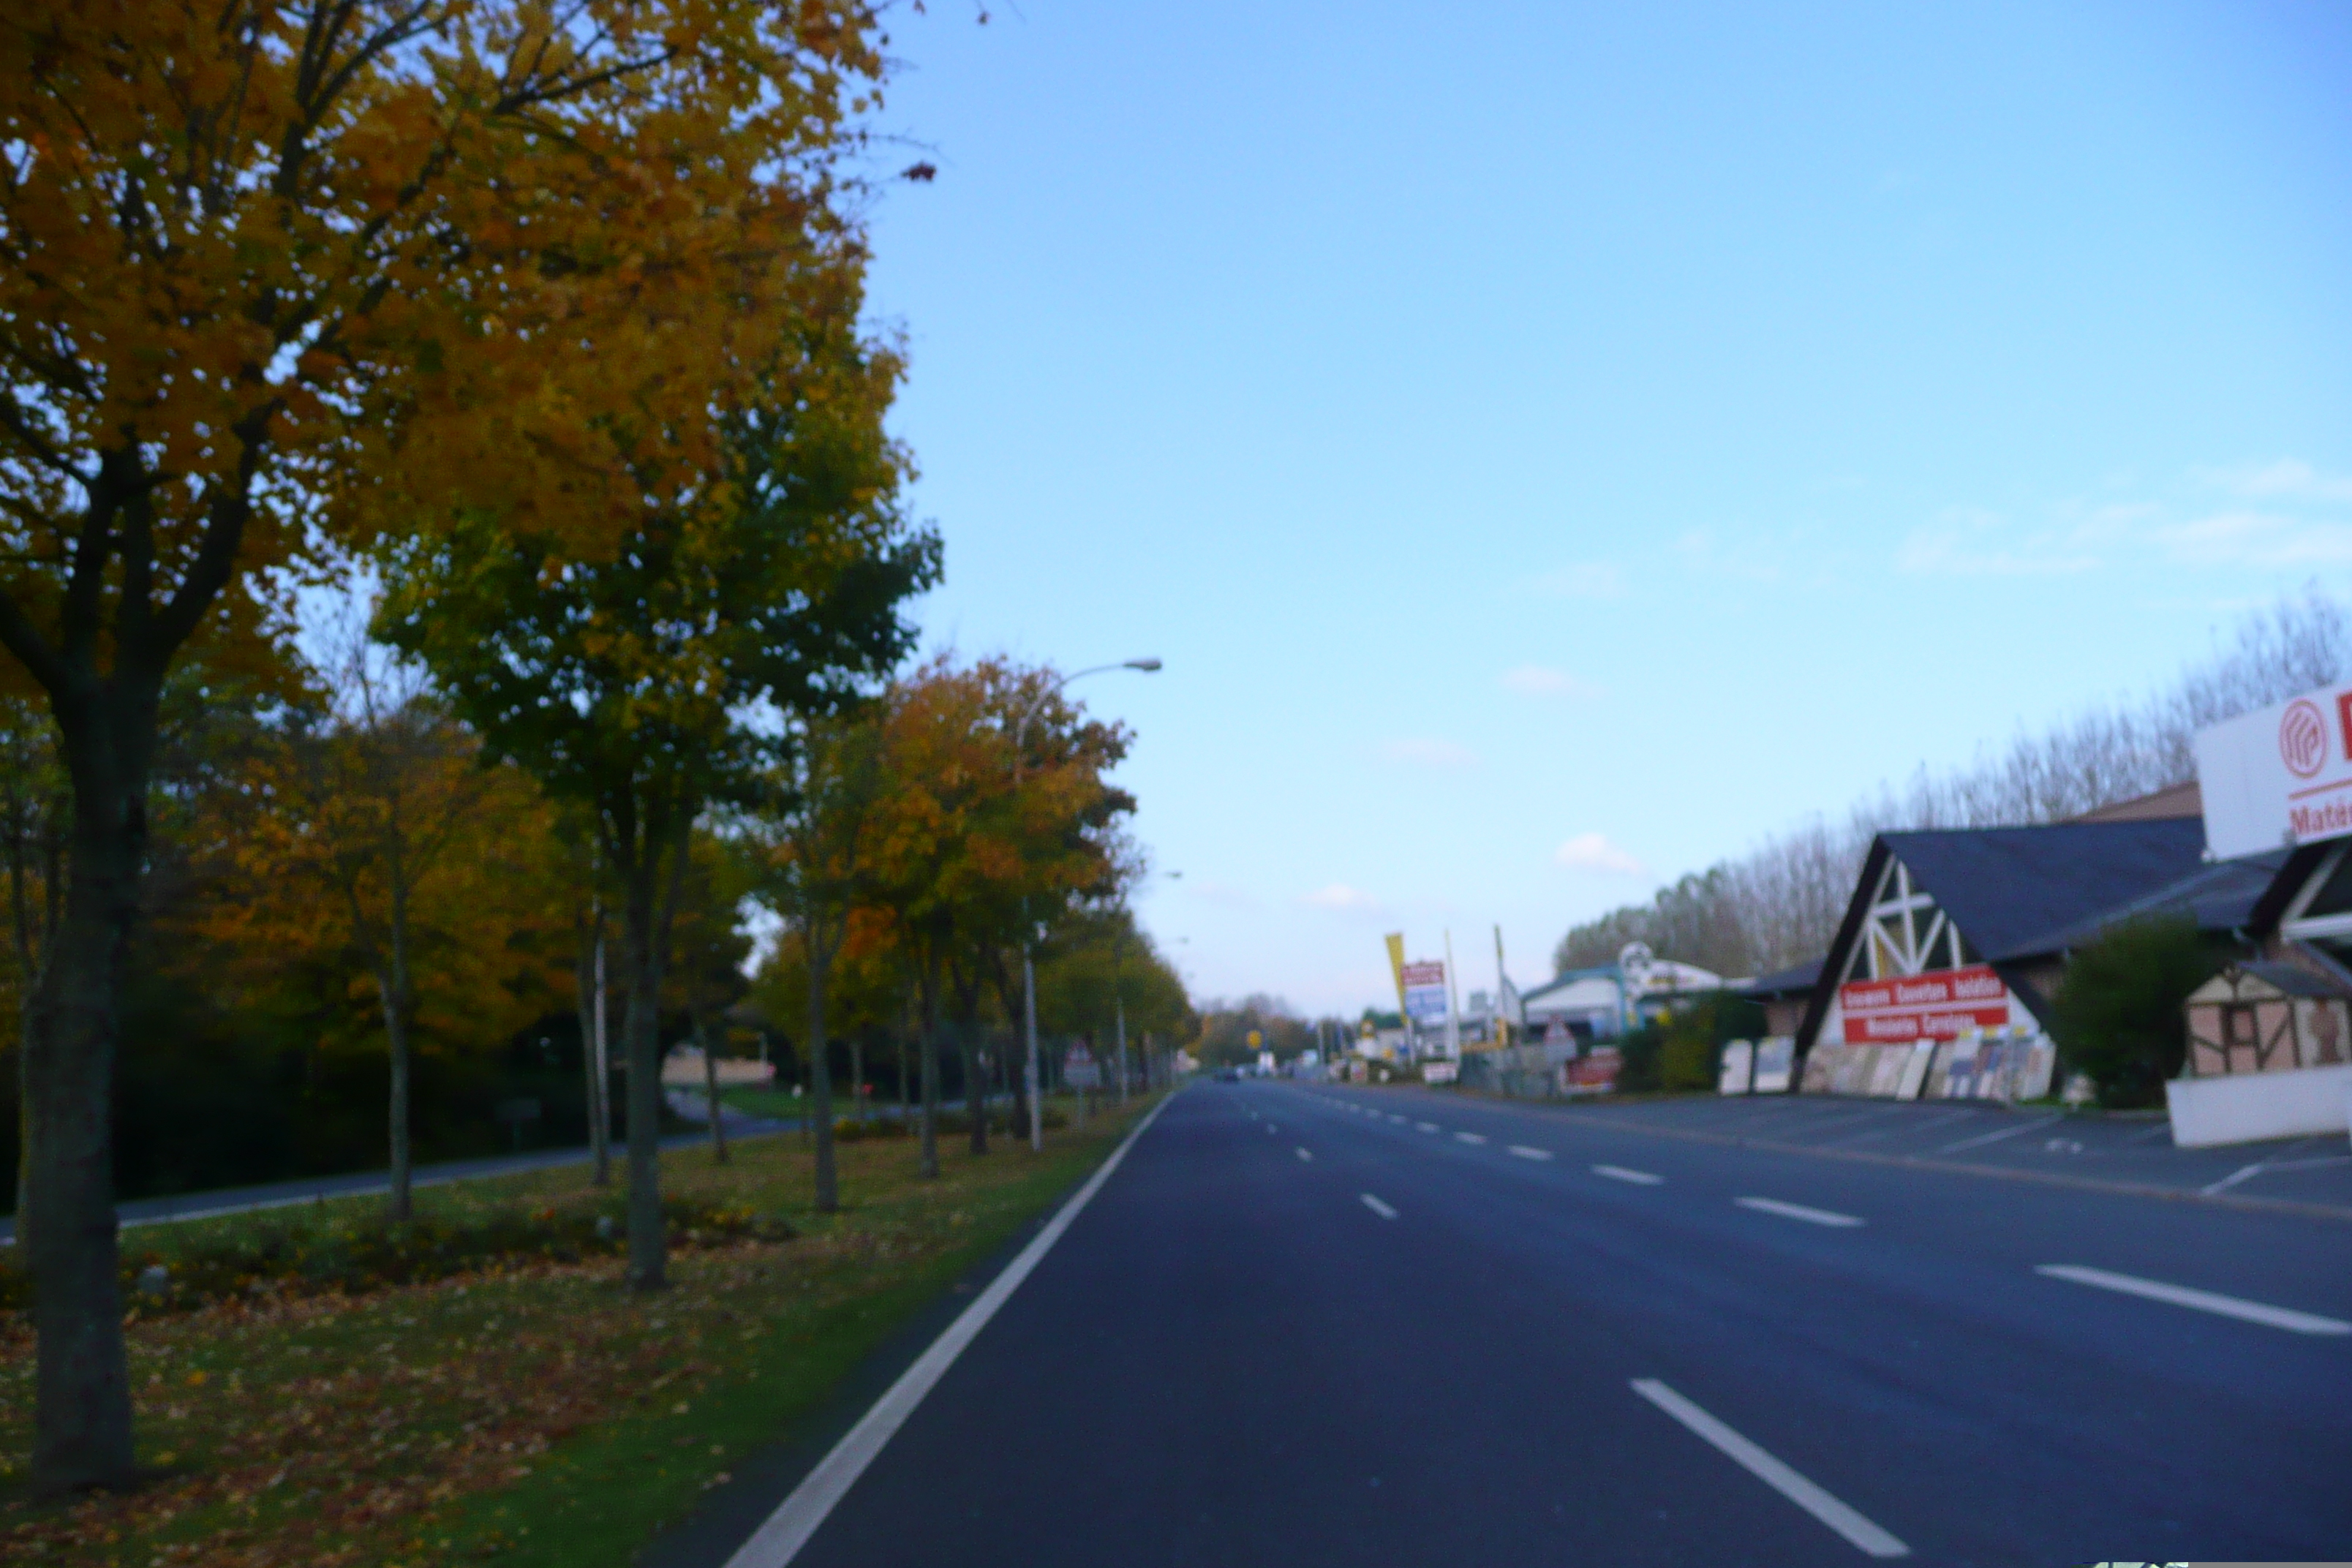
1969	927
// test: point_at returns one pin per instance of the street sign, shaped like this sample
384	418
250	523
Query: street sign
1079	1068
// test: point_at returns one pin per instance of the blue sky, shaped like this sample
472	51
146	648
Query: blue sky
1554	446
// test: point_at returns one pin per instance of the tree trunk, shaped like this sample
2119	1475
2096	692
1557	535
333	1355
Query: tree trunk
928	1047
82	1435
710	1089
401	1208
828	1193
394	989
857	1106
646	941
975	1082
588	971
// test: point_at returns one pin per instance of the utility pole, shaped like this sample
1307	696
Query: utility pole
1120	1004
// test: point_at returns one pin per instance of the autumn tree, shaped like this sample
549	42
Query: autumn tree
814	843
364	804
994	817
648	684
278	277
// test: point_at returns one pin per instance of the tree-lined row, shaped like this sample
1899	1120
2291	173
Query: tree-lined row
546	319
1779	904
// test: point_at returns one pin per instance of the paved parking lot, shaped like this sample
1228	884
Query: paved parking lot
2088	1147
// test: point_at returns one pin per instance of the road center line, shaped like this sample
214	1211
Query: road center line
1524	1152
1857	1530
1620	1174
778	1540
1304	1155
1472	1137
2203	1300
1984	1138
1371	1202
1798	1211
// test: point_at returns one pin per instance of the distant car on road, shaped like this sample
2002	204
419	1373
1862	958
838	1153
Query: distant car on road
1228	1075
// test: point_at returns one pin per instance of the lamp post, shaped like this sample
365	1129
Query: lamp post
1028	936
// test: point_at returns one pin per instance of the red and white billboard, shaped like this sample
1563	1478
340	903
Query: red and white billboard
1941	1005
2279	776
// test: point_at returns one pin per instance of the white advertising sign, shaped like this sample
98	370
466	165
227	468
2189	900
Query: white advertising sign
1424	994
2279	776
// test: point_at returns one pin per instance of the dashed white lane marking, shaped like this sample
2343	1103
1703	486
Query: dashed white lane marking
2232	1179
1270	1129
1526	1152
1798	1211
1620	1174
1426	1126
1305	1155
1398	1120
1983	1137
1472	1137
2203	1300
1857	1530
1376	1207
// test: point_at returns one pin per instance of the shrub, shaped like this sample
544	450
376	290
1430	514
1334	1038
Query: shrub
349	1256
2118	1012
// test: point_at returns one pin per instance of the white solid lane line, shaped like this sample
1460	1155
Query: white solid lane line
1620	1174
1857	1530
1798	1211
1472	1137
781	1537
1524	1152
1426	1126
1376	1207
2203	1300
1305	1155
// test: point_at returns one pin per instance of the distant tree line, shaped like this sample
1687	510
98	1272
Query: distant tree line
1779	904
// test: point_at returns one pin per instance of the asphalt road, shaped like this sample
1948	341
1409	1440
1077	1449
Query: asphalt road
1308	1325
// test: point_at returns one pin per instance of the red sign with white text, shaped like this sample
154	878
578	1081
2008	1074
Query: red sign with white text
1941	1005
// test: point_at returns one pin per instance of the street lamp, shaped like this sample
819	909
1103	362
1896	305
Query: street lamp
1028	967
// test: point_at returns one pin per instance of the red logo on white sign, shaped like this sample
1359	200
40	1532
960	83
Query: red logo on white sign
2303	739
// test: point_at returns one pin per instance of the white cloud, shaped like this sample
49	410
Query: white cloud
1592	852
1343	899
1966	543
1756	560
1430	753
2289	477
1542	680
2257	538
1582	579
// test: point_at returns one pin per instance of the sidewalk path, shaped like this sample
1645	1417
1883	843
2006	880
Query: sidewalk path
368	1183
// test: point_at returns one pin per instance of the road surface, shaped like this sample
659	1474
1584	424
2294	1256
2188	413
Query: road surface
1305	1325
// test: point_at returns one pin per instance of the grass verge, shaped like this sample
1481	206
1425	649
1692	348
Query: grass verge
530	1411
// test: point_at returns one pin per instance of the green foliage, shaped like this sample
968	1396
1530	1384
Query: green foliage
1692	1050
1644	1067
2118	1010
1098	958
